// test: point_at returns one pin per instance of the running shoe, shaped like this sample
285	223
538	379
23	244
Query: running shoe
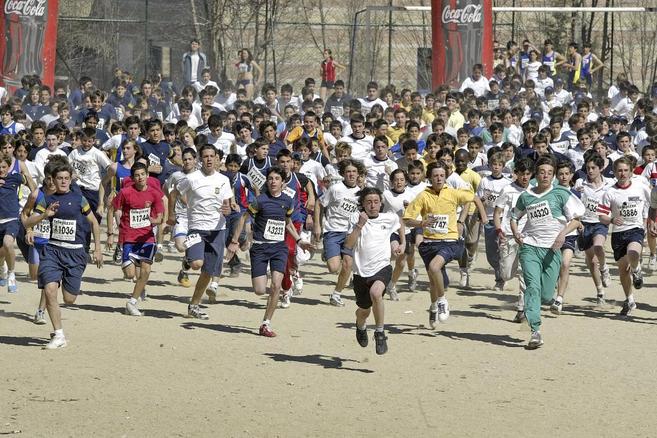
520	317
499	286
194	311
637	278
556	307
336	300
627	308
361	337
465	278
606	277
535	341
392	292
40	317
57	341
3	275
652	263
131	309
600	300
297	284
443	311
412	280
285	299
12	287
432	317
212	292
235	271
266	331
159	256
183	279
380	339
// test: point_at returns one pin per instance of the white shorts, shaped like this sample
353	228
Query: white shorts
180	228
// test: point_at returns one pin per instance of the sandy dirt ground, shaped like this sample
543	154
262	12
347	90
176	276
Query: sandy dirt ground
164	375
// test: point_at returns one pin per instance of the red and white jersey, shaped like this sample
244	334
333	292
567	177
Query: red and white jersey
630	203
592	197
137	208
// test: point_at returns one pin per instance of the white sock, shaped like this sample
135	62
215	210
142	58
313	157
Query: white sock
442	300
434	305
379	329
558	299
600	289
59	332
266	322
336	293
630	298
364	327
132	300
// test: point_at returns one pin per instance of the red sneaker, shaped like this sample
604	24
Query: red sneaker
266	331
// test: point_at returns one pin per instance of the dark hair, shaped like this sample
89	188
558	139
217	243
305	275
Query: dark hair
523	165
137	166
369	191
545	160
206	147
277	169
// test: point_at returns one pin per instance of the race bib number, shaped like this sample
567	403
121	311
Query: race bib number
348	207
42	229
289	192
490	198
80	167
140	217
539	213
274	230
192	240
493	104
101	123
629	211
337	111
256	177
63	229
439	224
592	206
153	160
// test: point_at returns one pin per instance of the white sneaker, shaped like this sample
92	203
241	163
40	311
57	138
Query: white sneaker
285	299
57	341
12	287
336	300
3	275
556	307
465	279
40	317
131	309
600	300
443	311
606	277
392	293
652	263
297	284
212	292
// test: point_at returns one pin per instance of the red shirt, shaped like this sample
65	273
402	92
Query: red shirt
328	70
137	207
150	182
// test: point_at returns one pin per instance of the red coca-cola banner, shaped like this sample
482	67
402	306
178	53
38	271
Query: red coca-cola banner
29	30
462	36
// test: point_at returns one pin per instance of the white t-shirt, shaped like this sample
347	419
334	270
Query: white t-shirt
394	202
378	172
114	142
592	197
339	203
195	58
372	250
42	158
223	142
89	166
172	183
631	204
479	87
313	170
489	190
205	196
360	148
366	105
507	200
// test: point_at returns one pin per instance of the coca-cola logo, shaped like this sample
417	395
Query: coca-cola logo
33	8
467	15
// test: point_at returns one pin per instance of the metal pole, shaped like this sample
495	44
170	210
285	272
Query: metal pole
368	44
613	45
267	30
513	22
353	48
390	43
146	45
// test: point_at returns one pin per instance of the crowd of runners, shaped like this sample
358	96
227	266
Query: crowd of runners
527	160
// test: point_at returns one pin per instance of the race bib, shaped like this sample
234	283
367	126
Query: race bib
153	160
592	206
337	111
348	207
274	230
101	123
256	177
42	229
140	217
439	224
493	104
80	167
539	213
192	240
63	229
289	192
629	211
490	198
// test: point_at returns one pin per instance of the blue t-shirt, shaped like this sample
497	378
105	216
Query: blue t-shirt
269	215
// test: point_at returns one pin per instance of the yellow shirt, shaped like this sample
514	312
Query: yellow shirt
298	132
473	178
441	207
394	133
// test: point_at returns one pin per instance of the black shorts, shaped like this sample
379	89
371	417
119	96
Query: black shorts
327	84
621	239
570	243
362	286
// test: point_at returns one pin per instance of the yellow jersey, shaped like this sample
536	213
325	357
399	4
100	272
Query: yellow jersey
440	208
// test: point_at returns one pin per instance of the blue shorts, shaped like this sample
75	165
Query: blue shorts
621	239
591	230
136	253
570	243
449	251
410	240
92	198
63	266
9	229
272	254
210	249
333	242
